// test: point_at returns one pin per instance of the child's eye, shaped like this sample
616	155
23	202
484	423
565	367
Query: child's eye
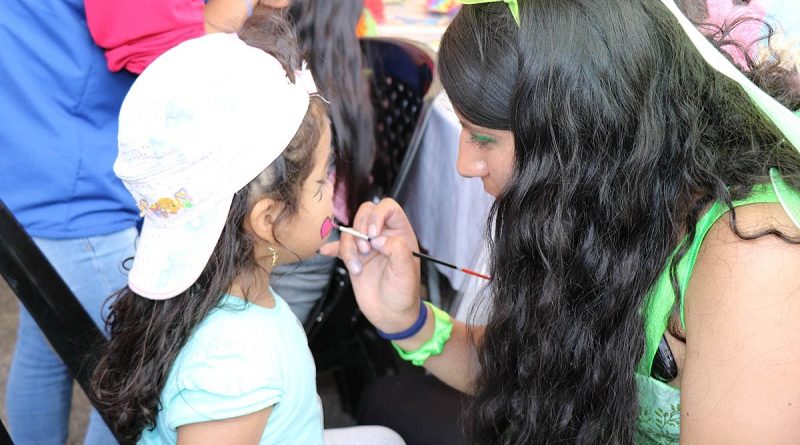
481	140
321	183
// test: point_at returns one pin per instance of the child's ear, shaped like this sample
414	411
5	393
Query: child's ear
262	218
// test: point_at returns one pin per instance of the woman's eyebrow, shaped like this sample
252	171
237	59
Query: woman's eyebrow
468	125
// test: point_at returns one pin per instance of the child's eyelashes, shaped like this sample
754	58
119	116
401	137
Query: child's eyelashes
481	140
321	183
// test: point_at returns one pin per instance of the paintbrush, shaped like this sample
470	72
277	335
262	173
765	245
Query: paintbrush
359	235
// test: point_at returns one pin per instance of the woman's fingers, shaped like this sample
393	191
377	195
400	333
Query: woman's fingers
385	218
330	249
351	254
358	223
392	273
402	263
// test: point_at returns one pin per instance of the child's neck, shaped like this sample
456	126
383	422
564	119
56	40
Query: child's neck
255	288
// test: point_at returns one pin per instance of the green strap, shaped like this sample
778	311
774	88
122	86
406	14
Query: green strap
788	197
512	5
661	298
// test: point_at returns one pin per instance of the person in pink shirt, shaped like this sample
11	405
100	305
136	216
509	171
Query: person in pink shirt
133	34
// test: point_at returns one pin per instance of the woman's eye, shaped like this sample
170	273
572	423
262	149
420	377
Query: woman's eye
481	140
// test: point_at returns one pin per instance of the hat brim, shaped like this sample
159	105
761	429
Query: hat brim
170	259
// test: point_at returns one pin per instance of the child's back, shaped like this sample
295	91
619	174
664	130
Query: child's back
243	358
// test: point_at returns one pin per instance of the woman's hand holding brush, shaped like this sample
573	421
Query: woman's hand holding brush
384	272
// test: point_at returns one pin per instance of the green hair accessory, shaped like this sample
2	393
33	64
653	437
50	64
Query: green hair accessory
443	327
512	5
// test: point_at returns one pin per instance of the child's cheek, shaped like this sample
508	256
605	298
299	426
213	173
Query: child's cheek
327	227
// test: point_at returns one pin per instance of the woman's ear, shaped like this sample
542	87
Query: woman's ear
261	219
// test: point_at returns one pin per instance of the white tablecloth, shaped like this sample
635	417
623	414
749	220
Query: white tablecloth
448	212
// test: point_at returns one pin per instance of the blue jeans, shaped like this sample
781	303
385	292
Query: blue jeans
39	389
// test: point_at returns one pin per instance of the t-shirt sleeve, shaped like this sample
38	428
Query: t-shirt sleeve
226	379
134	33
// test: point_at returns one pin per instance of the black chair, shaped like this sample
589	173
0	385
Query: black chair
402	88
60	316
5	438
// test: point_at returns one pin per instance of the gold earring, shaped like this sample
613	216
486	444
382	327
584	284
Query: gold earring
274	255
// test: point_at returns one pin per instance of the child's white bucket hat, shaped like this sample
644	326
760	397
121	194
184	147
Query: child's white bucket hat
199	124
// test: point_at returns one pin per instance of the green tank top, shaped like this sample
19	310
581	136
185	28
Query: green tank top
660	404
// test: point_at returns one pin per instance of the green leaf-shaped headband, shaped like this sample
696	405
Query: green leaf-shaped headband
512	5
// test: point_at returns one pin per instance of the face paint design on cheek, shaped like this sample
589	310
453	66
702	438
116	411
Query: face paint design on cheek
327	227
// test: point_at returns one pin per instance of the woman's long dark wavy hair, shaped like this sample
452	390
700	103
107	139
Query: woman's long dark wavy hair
328	41
147	335
623	134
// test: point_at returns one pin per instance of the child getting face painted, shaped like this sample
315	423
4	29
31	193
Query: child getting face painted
201	346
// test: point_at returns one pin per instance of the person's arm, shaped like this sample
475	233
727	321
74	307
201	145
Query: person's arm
246	429
456	365
386	277
741	378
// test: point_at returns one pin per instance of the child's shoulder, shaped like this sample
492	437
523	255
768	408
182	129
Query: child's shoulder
236	326
236	319
238	335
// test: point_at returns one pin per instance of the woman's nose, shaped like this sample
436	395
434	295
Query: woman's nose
470	163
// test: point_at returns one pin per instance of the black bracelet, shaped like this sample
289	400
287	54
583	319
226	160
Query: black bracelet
410	332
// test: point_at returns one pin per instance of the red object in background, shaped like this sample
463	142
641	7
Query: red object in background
376	8
134	33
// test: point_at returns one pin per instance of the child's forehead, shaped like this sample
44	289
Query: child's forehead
326	143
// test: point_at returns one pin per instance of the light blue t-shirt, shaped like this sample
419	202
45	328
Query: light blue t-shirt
243	358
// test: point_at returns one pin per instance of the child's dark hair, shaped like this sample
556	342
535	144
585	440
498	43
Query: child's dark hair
147	335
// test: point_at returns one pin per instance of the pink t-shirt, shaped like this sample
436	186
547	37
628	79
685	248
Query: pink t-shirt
135	32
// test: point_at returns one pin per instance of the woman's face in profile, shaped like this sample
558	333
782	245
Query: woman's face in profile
485	153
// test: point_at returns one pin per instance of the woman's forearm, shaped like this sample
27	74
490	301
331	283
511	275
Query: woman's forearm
457	364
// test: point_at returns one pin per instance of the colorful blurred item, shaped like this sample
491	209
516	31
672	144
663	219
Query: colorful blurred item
746	25
372	15
375	7
367	26
746	35
443	6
